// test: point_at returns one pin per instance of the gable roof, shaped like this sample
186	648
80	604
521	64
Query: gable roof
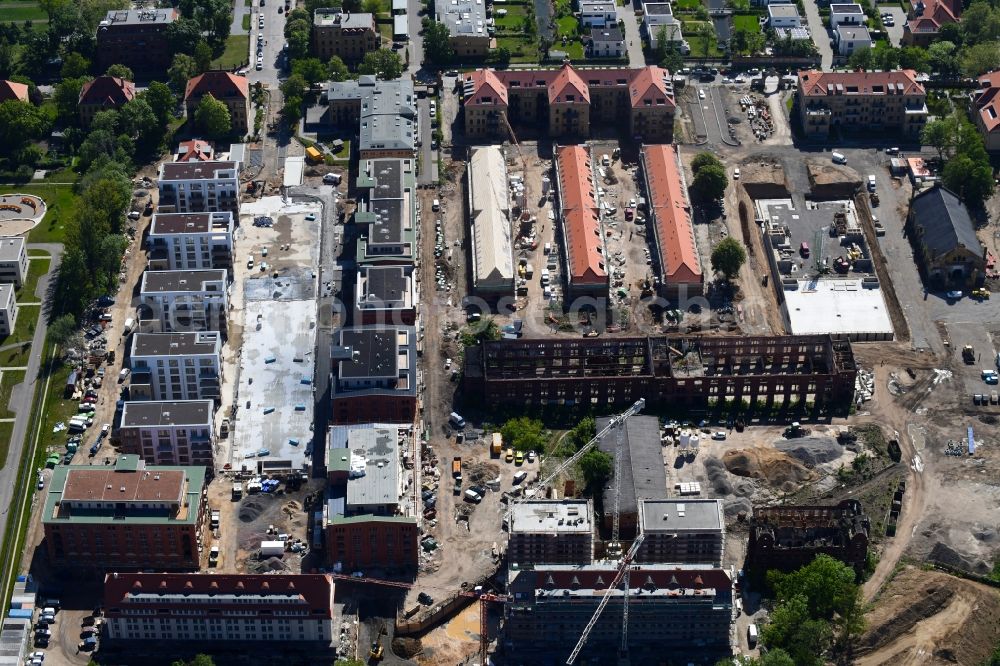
930	15
671	215
814	83
195	150
581	225
10	90
568	82
487	88
944	222
109	91
221	85
649	88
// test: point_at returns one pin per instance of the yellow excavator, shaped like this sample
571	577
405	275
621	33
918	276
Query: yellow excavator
377	649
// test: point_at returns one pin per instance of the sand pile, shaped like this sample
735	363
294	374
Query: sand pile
811	451
775	468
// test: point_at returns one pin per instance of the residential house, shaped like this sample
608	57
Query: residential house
382	113
658	17
471	30
136	38
172	432
105	93
199	187
677	258
184	300
194	150
10	90
176	366
8	309
684	529
385	295
846	14
343	34
606	43
191	241
375	370
985	103
13	260
925	19
850	38
233	90
124	516
566	101
291	609
870	101
579	220
551	532
783	16
368	518
598	14
386	212
948	252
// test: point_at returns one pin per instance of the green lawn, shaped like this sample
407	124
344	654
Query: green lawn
687	5
60	201
698	46
22	11
36	269
56	408
246	22
514	20
24	331
522	50
567	26
746	23
11	378
236	53
6	431
385	30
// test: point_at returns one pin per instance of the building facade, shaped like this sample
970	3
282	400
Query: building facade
606	43
386	212
385	295
136	38
290	608
595	14
551	532
8	309
13	261
375	375
175	432
691	531
382	113
488	204
947	249
233	90
580	223
851	38
789	537
925	19
184	301
199	187
125	516
469	27
814	369
343	34
190	241
176	366
566	101
105	93
869	101
658	21
985	107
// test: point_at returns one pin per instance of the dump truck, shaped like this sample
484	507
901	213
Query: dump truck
497	446
968	354
456	466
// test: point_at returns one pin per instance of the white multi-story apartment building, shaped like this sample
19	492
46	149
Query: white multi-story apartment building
176	432
196	187
176	366
8	309
184	301
191	241
290	608
13	260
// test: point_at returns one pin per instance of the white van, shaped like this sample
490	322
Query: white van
456	420
838	158
436	205
871	183
752	635
472	496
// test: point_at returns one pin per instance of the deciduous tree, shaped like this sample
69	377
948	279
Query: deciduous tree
212	117
384	63
728	257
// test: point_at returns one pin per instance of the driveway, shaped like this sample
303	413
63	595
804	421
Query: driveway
239	12
428	157
633	41
415	47
899	19
819	33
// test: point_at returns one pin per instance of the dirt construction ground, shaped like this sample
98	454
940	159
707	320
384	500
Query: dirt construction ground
928	617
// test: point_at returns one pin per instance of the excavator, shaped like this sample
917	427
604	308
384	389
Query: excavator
377	649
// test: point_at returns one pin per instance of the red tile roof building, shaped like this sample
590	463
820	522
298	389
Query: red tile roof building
579	216
925	18
228	88
869	101
10	90
670	219
986	109
219	607
570	99
102	94
194	150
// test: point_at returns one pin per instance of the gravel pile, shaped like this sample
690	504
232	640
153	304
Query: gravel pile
718	477
811	451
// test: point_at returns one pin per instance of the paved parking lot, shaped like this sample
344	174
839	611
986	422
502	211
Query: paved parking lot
899	19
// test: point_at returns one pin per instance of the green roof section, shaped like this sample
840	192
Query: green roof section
194	480
338	460
370	518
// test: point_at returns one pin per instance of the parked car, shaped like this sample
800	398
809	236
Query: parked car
954	294
425	599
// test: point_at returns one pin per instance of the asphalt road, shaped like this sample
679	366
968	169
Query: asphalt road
21	399
633	41
820	36
415	48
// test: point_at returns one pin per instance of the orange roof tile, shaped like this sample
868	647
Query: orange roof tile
814	83
568	88
109	91
649	88
10	90
581	225
990	80
671	216
487	88
220	85
195	150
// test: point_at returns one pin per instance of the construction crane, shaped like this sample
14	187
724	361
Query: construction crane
616	421
623	570
513	138
372	581
484	627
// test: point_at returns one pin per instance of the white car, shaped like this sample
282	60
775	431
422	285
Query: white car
531	456
720	435
259	66
701	94
447	364
736	173
38	656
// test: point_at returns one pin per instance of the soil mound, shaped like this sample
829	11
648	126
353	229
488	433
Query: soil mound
776	468
811	451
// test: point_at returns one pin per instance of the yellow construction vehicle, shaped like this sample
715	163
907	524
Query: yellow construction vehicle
377	649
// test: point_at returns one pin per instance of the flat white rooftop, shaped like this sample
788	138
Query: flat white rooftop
556	516
837	307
